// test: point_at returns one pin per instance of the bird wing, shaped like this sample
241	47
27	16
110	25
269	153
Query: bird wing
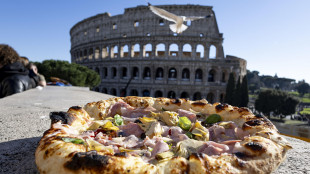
192	18
164	14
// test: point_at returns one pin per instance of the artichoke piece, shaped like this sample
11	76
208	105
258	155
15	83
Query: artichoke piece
155	129
94	145
97	123
168	117
109	126
227	124
146	123
187	147
200	132
164	155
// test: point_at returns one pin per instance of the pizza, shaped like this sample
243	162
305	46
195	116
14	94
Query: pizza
159	135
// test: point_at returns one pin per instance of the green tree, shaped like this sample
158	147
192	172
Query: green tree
236	101
244	92
276	101
75	74
302	87
230	89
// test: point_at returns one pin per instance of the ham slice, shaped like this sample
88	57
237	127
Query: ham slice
126	110
131	129
160	147
184	113
212	148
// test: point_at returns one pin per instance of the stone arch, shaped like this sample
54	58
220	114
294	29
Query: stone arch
85	54
97	53
197	96
81	55
158	94
210	97
211	75
97	70
184	95
160	50
114	72
198	75
224	76
136	50
187	50
113	91
147	50
134	92
146	93
124	51
171	94
172	74
185	74
200	51
114	52
135	73
173	50
97	89
124	73
147	73
104	72
212	53
159	73
123	92
105	52
91	54
104	90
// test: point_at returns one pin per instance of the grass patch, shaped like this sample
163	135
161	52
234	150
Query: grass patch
287	121
305	100
306	111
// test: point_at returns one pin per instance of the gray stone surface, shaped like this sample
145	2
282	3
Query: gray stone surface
24	118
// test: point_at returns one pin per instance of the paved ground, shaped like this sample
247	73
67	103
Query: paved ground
24	118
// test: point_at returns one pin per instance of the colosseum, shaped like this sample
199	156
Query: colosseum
137	54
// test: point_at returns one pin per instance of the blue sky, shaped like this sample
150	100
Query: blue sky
272	35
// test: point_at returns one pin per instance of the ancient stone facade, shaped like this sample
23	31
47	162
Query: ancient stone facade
136	53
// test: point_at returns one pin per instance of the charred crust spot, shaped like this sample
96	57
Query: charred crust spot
199	104
64	117
176	101
220	107
256	147
243	109
76	107
253	123
88	160
196	155
240	155
121	154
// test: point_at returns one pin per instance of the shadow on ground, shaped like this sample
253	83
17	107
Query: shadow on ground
17	156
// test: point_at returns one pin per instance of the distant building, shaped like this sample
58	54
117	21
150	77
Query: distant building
137	54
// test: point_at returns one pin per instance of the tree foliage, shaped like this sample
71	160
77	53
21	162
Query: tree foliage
230	89
302	87
276	101
244	92
75	74
237	95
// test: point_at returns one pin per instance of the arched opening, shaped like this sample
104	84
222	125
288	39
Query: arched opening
200	51
158	94
173	50
148	50
211	75
104	90
104	72
97	53
185	74
187	50
134	92
197	96
172	73
97	70
81	55
184	95
123	93
125	51
160	50
159	73
113	91
135	73
91	54
171	94
114	52
198	75
124	73
114	72
105	52
146	93
97	89
85	54
136	50
223	79
210	97
147	73
212	54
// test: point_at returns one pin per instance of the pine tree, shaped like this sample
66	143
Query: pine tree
230	89
236	101
244	92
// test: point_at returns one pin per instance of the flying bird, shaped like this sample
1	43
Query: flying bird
178	27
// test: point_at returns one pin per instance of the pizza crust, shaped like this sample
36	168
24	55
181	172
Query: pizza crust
262	152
